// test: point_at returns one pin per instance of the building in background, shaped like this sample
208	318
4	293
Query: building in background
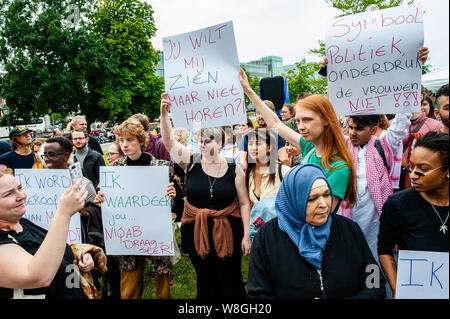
268	66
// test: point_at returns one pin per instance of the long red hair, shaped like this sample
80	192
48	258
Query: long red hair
335	147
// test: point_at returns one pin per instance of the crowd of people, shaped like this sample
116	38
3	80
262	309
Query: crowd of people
313	201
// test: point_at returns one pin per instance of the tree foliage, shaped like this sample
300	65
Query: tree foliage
51	66
101	65
125	28
305	79
357	6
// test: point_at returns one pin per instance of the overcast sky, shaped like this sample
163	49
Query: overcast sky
286	28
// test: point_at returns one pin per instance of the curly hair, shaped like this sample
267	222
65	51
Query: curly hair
436	142
134	128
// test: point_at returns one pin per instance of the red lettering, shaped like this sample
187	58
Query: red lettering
136	231
224	93
393	46
220	29
217	112
194	96
383	20
341	25
206	113
380	51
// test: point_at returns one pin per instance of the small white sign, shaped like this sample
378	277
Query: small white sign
373	65
201	78
422	275
44	187
136	213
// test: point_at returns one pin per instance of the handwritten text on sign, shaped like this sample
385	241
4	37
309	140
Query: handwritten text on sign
201	77
422	275
136	214
44	187
373	65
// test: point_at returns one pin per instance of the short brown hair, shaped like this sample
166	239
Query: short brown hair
134	128
270	104
79	129
38	142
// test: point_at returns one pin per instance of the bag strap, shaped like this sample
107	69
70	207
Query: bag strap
380	150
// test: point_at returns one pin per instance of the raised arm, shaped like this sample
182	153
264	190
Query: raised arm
272	120
179	153
21	270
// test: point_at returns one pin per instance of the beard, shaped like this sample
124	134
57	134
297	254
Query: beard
445	120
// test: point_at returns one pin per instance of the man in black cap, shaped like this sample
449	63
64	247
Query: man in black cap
21	155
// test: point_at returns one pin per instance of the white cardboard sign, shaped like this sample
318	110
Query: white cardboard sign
44	187
422	275
136	213
373	65
201	78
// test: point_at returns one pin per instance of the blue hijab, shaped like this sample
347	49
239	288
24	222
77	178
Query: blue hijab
292	199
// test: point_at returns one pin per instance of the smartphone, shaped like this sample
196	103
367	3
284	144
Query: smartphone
75	172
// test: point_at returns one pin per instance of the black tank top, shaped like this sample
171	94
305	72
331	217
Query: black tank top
198	185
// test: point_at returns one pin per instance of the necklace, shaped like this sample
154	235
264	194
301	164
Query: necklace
212	185
443	228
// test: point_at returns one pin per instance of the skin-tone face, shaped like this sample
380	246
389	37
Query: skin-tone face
79	140
36	149
208	146
425	160
319	204
240	129
285	114
360	135
113	154
12	200
59	158
80	124
291	150
130	146
425	107
24	139
258	150
310	124
443	109
260	120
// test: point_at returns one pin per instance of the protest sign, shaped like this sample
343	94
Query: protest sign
44	187
136	214
422	275
201	78
373	65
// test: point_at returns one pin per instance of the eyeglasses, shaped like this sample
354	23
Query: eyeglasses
51	155
418	173
112	153
78	138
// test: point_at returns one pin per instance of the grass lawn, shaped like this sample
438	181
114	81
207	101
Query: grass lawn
185	286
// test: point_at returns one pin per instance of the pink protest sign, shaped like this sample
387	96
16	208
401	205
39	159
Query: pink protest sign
201	78
373	65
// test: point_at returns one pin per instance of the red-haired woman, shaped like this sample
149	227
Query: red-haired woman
321	140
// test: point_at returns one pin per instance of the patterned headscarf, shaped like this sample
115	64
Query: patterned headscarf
291	203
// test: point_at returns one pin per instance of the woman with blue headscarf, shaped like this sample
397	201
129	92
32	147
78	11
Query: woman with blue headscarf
307	253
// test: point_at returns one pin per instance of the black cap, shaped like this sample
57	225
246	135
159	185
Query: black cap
19	131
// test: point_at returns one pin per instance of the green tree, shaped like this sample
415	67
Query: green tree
304	79
125	28
52	65
357	6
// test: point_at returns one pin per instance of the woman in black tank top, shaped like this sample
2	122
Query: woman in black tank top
213	183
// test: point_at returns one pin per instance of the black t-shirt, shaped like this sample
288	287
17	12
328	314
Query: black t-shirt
30	239
14	160
143	160
409	221
198	195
